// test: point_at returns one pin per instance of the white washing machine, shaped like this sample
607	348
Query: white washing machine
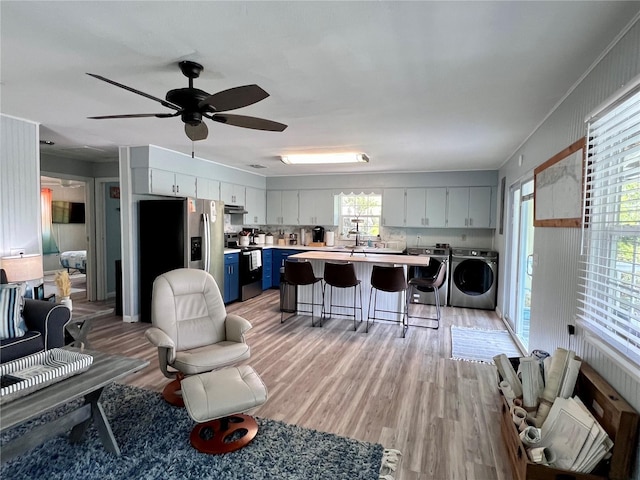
438	255
474	278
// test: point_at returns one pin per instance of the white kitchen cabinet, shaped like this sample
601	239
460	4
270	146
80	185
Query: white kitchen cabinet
317	207
282	207
232	194
393	207
163	182
469	207
426	207
208	189
435	213
255	205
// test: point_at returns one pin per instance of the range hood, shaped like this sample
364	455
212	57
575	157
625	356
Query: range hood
239	209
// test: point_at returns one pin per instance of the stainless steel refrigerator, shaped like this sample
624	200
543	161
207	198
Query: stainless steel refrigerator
176	233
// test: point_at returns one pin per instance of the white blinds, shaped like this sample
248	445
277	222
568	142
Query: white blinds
610	298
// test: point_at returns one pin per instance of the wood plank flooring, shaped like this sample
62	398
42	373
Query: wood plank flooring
403	393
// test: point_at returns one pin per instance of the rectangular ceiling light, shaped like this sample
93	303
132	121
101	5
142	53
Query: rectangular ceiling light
320	158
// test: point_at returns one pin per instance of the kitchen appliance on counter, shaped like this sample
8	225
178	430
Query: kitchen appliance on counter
231	240
178	233
293	239
438	254
318	234
330	238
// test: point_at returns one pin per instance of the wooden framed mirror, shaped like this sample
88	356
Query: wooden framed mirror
558	186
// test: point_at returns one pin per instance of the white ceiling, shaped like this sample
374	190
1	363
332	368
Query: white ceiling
417	86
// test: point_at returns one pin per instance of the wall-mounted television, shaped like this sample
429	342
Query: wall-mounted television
67	212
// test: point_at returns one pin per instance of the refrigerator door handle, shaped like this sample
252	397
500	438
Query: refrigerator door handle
208	228
205	227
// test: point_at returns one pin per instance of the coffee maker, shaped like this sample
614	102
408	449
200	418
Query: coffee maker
318	234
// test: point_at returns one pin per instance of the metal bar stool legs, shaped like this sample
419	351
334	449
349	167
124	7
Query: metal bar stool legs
342	275
432	284
301	274
356	289
388	279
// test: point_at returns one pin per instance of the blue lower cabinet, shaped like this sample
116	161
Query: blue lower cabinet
267	268
231	277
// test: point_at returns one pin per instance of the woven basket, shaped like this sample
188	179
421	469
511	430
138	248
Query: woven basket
41	370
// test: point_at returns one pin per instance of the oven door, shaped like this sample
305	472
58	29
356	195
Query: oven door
250	266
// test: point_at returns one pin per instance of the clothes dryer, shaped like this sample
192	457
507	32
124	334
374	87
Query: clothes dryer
474	278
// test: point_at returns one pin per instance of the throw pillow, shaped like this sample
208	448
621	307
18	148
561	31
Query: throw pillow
10	316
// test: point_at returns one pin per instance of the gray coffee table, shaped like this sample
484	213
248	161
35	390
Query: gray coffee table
89	385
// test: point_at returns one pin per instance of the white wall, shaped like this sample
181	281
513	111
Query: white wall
20	226
555	280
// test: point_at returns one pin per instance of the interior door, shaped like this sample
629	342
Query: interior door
521	259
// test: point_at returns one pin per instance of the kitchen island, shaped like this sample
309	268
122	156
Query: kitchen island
363	264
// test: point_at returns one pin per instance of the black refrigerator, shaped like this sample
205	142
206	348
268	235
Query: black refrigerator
177	233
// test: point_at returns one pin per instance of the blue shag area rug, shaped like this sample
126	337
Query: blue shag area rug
154	439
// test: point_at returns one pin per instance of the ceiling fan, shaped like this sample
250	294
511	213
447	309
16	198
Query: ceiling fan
192	104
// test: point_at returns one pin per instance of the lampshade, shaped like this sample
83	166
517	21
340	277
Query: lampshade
320	158
22	268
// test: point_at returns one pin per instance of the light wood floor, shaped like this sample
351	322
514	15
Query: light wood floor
377	387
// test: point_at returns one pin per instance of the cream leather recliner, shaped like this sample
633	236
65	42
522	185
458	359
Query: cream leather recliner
191	328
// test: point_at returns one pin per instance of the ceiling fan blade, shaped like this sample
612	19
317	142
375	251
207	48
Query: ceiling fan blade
196	132
248	122
137	115
163	102
233	98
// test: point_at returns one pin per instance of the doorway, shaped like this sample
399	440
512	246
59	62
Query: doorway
66	244
521	259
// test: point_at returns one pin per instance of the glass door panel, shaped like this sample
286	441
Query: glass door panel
520	268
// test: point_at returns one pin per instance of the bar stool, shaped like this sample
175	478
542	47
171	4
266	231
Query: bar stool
425	284
388	279
342	275
301	274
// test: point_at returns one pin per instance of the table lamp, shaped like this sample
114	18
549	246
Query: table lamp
22	268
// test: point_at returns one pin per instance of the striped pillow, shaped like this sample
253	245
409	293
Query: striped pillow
10	319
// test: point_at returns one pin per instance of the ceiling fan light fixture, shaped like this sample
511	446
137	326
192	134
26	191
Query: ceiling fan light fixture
324	158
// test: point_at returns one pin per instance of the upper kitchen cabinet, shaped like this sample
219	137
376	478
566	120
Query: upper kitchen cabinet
317	207
162	182
208	189
469	207
427	207
232	194
393	207
256	206
282	207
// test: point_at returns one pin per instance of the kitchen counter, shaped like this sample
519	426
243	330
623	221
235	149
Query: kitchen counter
360	257
363	265
338	248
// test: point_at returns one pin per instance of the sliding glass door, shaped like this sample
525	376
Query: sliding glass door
520	268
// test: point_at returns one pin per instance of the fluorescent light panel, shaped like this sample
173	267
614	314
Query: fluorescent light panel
320	158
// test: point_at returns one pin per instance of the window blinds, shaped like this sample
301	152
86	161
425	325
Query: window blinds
610	298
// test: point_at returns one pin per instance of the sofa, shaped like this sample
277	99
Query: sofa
45	324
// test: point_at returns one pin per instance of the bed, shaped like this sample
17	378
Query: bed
74	260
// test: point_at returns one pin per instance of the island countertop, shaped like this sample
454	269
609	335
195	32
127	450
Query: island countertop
409	260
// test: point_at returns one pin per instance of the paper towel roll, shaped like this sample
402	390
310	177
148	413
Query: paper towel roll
329	239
